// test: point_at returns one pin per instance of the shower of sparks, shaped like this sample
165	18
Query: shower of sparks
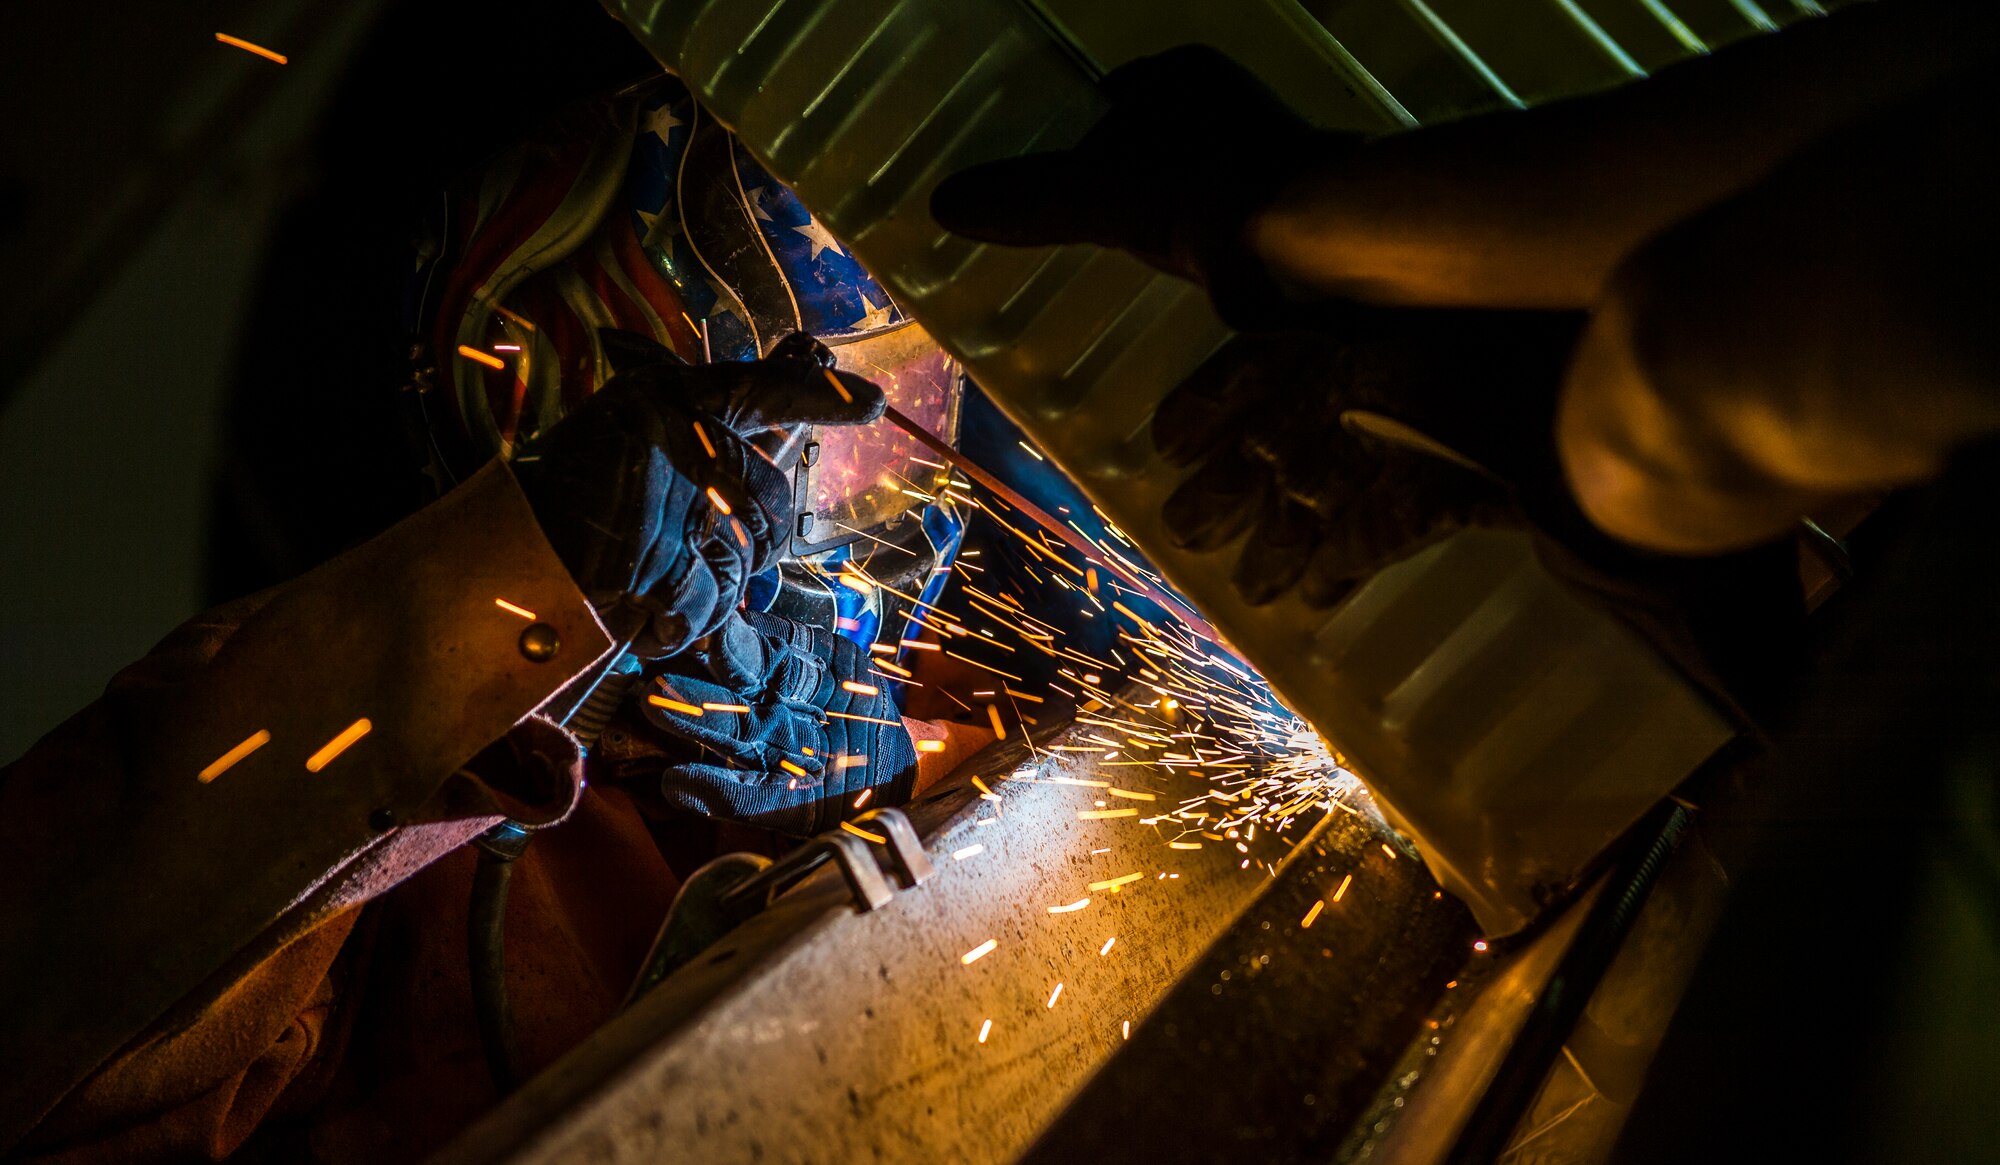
227	760
237	42
338	745
1164	699
979	952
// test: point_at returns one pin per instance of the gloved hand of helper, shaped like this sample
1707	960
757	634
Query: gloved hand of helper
779	723
1192	145
1344	451
666	490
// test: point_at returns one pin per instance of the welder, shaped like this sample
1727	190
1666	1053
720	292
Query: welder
620	517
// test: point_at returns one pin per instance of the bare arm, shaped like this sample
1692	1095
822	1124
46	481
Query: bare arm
1827	333
1537	208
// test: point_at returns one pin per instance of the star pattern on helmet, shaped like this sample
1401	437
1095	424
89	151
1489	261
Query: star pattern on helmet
876	317
660	122
819	237
661	226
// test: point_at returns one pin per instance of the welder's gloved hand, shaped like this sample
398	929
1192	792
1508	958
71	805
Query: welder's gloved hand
1192	145
655	499
1343	454
818	729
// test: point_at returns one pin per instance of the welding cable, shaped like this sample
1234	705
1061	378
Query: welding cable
486	921
499	848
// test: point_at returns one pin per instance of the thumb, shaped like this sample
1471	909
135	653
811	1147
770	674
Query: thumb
782	391
1033	201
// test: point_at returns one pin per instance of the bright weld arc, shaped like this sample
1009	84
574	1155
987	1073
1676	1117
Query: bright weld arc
239	43
339	744
227	760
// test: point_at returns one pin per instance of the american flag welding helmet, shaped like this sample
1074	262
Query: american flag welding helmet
649	216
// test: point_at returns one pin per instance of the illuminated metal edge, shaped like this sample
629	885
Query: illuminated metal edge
816	1033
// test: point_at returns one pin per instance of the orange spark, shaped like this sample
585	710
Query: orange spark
523	612
475	355
239	43
338	745
223	763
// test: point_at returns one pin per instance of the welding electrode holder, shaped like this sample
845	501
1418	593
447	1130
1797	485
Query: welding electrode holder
732	889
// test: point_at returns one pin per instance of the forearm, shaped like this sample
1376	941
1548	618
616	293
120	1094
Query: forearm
1824	335
1537	208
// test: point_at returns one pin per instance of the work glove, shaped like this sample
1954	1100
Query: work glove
1346	450
667	489
779	723
1192	145
1343	451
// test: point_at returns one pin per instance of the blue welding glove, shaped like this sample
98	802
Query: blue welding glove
801	731
667	489
1192	145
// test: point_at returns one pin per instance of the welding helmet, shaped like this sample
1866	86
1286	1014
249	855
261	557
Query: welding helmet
645	214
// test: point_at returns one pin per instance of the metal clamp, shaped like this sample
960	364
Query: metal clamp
732	889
